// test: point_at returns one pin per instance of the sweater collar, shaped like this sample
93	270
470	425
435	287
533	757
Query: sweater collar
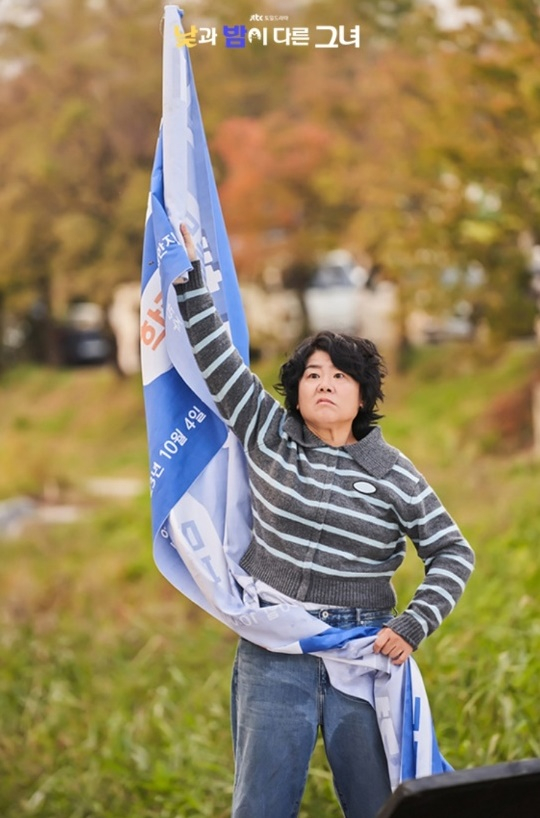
372	452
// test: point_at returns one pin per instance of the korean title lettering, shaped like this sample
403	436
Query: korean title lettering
238	36
338	37
235	36
281	35
173	444
195	36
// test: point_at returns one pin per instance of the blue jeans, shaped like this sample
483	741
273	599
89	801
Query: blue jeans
279	701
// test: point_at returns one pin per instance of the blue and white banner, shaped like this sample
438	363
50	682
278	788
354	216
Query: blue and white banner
201	516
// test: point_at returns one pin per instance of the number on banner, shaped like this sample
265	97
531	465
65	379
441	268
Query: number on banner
194	415
171	445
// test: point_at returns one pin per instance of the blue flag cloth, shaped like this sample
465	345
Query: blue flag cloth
201	515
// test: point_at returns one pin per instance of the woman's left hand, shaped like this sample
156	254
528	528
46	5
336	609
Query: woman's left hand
392	645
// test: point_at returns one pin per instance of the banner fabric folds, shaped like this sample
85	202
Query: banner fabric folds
201	517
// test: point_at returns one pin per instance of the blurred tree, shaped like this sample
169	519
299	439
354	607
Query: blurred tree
81	117
503	190
430	156
417	151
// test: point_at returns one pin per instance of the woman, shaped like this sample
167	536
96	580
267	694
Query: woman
332	505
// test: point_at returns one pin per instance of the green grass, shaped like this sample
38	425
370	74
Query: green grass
114	688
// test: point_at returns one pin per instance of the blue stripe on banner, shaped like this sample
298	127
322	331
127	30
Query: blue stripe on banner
416	713
177	453
408	755
335	638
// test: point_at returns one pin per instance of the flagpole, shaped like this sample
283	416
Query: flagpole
175	93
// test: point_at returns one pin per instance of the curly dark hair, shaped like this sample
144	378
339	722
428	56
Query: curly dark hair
357	357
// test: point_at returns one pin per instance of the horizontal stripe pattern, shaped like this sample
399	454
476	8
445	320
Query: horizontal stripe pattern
316	537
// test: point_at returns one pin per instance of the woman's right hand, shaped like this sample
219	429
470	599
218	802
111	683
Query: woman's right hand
188	241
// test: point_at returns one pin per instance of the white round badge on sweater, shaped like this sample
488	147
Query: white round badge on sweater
364	488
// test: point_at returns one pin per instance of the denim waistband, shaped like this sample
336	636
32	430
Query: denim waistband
351	617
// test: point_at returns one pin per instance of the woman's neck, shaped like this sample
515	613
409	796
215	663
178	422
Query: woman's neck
333	436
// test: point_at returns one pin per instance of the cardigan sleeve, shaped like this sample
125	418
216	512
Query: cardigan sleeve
238	393
448	562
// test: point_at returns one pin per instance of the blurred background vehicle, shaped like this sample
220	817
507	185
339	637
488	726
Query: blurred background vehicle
84	337
332	296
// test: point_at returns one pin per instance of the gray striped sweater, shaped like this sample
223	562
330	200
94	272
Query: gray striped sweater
329	524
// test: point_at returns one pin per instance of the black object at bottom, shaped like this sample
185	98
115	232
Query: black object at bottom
509	790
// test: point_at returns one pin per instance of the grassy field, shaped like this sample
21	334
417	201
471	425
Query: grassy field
114	689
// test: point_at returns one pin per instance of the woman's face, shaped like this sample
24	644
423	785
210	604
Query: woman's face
327	397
